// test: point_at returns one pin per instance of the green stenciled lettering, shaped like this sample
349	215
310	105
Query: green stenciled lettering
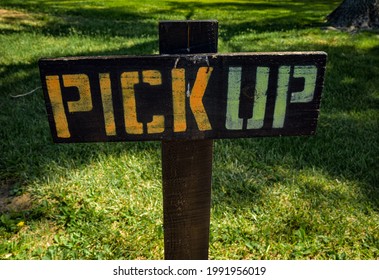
281	96
233	122
260	98
309	73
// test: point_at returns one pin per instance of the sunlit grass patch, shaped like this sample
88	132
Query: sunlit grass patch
272	198
16	20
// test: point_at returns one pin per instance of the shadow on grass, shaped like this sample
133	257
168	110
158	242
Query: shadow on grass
345	147
288	15
27	151
130	25
334	127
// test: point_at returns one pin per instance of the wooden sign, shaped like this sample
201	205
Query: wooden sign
169	97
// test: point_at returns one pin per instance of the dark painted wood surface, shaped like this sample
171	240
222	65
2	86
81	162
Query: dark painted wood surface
186	99
195	96
188	37
187	179
187	163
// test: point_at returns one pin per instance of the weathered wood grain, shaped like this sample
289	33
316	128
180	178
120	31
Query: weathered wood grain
194	96
186	163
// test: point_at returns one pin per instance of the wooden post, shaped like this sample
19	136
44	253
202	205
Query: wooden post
184	99
187	164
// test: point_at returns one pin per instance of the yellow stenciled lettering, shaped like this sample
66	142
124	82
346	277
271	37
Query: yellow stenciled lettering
153	77
179	100
106	98
128	80
81	82
55	96
196	98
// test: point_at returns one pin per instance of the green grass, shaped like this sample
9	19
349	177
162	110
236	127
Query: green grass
273	198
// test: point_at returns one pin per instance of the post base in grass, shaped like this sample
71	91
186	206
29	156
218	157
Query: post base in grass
187	172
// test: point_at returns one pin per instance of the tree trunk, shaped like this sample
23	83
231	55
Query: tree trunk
355	14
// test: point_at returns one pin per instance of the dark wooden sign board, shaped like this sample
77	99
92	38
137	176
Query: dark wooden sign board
185	97
199	96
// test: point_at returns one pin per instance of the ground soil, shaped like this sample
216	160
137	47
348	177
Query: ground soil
9	203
